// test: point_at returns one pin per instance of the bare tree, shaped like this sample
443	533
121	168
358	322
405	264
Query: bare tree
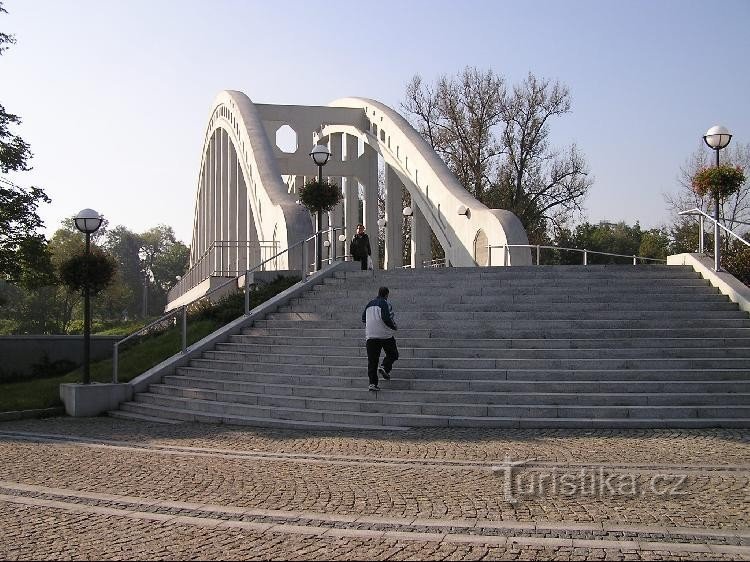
457	117
496	143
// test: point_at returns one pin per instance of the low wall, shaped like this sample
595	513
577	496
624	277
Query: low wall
727	283
22	356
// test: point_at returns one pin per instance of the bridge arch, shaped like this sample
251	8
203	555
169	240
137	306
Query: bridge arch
245	202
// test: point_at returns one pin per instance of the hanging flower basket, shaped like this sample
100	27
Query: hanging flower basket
319	196
96	270
721	180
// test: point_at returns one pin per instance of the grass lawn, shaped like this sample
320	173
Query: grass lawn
45	393
142	354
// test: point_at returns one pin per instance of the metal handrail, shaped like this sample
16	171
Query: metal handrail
703	216
206	265
182	309
539	247
439	262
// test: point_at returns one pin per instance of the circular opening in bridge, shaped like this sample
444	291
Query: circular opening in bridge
286	139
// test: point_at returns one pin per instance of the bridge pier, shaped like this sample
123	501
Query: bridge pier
421	241
394	244
370	212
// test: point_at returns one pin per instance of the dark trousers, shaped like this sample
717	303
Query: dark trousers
373	356
363	261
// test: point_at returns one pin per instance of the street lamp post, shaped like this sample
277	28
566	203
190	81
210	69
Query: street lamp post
320	155
717	137
87	221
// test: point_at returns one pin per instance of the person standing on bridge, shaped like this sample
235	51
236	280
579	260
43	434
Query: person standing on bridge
380	325
359	247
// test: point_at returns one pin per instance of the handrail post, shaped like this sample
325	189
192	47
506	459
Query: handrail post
505	255
184	328
538	251
334	242
305	258
634	260
585	257
114	362
701	234
247	292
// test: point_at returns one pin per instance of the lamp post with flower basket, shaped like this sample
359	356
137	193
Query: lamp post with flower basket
719	181
319	196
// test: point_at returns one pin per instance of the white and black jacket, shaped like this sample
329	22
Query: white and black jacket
380	322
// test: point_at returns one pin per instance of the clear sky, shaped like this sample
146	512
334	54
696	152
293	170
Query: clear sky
115	94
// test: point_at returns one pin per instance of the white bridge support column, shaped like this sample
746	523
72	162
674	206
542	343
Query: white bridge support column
371	203
421	250
225	257
351	193
336	216
242	217
231	221
393	215
215	203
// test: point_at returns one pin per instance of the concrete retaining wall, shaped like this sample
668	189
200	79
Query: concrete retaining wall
22	355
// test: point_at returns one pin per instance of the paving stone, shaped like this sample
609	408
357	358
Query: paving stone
115	489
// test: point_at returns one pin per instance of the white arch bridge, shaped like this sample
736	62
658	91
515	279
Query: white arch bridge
246	205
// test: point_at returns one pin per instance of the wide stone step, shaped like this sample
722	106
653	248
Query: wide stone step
602	363
270	370
541	291
302	329
526	300
407	317
186	414
484	326
132	415
332	348
517	272
470	286
320	305
511	423
437	414
454	343
299	396
479	381
523	272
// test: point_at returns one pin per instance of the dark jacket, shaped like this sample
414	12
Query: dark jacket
360	246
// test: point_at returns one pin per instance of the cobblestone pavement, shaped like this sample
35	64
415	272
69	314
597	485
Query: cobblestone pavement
103	488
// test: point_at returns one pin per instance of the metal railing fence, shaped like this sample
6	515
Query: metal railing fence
702	216
223	258
170	319
540	247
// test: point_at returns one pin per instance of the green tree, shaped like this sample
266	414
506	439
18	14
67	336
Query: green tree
21	247
170	264
611	238
160	260
125	247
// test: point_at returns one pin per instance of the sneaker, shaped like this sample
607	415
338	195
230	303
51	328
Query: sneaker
382	373
373	387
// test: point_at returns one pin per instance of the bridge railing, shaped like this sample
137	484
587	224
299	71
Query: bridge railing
702	218
224	258
179	315
585	253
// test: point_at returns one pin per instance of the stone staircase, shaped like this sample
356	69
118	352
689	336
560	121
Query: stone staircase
514	347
